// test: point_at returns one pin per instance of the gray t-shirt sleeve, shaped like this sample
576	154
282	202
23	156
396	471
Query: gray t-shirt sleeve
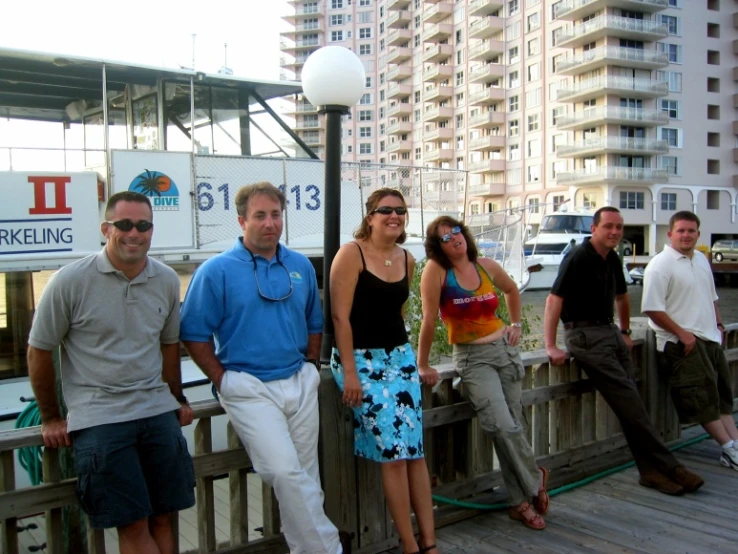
170	332
53	315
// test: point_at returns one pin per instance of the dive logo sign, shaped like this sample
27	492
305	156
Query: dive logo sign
160	188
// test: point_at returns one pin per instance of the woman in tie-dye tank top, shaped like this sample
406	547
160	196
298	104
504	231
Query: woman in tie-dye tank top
464	287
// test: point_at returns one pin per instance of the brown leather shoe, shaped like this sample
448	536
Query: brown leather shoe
689	481
345	538
660	482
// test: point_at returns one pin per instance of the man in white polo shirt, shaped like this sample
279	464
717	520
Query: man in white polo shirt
680	299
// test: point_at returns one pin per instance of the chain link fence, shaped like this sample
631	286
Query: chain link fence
429	192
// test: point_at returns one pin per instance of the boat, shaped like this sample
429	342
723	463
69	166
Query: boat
75	130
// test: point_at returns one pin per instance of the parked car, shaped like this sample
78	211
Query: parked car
725	250
637	275
627	247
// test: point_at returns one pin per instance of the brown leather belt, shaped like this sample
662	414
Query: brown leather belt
577	324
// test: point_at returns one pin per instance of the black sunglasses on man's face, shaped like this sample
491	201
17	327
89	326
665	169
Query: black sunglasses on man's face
126	225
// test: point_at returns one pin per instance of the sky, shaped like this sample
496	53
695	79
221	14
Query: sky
153	32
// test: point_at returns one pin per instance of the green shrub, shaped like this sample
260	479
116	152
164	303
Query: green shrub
441	347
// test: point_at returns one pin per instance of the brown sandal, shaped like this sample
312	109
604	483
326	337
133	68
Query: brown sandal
518	514
542	501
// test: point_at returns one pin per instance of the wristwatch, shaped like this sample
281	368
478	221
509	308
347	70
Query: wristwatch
626	331
315	362
182	399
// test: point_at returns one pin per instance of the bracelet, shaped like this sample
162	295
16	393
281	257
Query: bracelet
518	325
182	399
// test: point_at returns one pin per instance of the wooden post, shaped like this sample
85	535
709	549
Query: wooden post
237	486
54	530
205	497
7	483
541	422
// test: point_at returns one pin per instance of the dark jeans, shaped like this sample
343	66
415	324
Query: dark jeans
604	356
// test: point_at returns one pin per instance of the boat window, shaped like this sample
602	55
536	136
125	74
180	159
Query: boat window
566	224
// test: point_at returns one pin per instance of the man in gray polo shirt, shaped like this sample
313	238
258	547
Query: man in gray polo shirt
115	316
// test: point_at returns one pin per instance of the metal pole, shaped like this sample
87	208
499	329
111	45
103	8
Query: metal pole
331	215
106	135
192	105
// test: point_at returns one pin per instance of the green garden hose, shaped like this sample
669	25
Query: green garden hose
564	488
31	457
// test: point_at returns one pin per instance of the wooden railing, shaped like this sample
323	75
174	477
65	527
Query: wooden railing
571	428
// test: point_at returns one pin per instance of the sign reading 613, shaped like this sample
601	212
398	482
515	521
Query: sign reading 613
307	196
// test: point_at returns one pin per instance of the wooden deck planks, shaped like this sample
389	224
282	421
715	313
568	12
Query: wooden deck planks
616	514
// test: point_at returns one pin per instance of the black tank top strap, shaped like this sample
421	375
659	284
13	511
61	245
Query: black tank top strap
407	273
361	252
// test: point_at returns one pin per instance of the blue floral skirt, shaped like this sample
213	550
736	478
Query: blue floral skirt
388	425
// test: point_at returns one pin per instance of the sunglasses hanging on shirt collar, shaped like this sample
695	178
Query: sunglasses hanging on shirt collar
256	278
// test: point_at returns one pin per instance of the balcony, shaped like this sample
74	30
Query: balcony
400	146
398	4
439	133
487	189
612	26
487	166
313	139
487	27
399	73
577	9
490	142
303	12
487	73
613	175
438	73
480	8
612	145
299	61
436	94
437	13
399	91
399	19
300	28
300	44
610	84
490	95
399	55
486	51
438	155
438	53
607	115
303	109
400	128
487	120
398	37
303	124
439	113
438	32
399	110
612	55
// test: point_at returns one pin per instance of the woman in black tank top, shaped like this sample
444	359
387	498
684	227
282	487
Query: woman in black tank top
375	367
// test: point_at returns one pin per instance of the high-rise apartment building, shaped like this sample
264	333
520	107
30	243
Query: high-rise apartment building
627	103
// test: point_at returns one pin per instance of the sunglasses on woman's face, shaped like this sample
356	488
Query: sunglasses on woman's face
454	231
387	210
126	225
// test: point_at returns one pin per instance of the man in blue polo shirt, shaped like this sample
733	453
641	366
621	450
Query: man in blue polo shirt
259	301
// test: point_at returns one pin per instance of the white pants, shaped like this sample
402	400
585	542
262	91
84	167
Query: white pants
278	423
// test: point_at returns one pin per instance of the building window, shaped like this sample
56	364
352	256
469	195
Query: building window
514	103
365	49
671	107
631	200
365	132
459	78
558	199
336	36
672	24
713	199
365	148
460	121
513	79
534	205
336	4
513	128
670	164
534	47
588	200
365	32
673	51
534	173
365	3
367	98
513	7
533	122
534	72
336	20
368	82
366	115
671	136
668	201
513	152
513	55
534	21
556	113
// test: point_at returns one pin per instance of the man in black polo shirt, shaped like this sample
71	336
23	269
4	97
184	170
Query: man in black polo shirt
590	282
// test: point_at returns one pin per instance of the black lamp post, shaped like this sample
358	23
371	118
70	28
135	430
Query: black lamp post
334	80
